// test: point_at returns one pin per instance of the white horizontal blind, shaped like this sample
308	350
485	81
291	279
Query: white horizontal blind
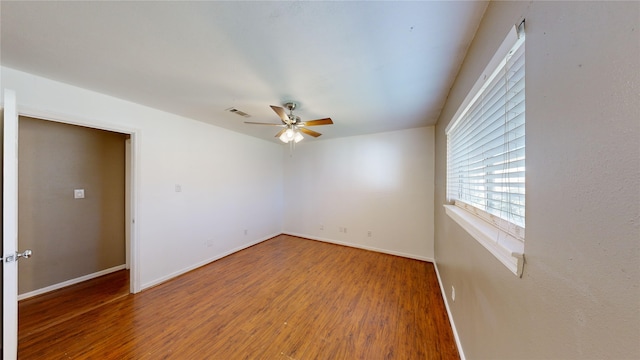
486	147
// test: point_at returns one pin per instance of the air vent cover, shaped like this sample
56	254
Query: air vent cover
238	112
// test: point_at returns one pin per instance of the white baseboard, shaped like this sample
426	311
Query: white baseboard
446	304
358	246
70	282
203	263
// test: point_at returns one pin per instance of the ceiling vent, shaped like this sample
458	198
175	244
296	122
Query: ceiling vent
238	112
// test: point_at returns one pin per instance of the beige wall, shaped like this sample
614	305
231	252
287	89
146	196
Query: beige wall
579	296
69	237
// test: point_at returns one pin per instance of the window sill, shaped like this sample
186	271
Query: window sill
506	248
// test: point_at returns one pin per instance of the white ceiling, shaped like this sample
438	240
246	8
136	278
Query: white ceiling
370	66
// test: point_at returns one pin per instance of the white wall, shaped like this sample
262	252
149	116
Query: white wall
230	182
381	183
579	295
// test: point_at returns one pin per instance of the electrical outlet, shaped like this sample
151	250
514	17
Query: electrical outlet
209	243
246	231
78	194
321	227
453	293
178	188
369	233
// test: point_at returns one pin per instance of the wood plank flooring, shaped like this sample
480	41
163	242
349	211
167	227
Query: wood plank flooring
40	313
285	298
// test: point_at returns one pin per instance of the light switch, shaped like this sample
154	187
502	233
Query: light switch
78	194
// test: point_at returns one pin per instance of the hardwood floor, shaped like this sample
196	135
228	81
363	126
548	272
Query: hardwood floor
285	298
42	312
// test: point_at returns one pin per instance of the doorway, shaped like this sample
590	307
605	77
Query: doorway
71	199
10	181
74	236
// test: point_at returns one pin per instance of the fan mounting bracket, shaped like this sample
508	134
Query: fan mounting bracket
290	105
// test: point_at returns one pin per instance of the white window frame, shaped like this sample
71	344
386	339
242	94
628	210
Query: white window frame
502	238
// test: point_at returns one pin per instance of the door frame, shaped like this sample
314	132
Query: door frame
131	181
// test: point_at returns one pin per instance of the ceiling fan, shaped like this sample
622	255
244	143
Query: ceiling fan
292	126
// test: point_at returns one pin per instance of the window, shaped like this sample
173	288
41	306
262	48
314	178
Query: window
486	155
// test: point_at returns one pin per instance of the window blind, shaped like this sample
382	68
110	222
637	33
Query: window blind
486	147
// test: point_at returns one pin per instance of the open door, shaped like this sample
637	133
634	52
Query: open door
10	228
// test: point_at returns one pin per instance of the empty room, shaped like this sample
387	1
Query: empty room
320	179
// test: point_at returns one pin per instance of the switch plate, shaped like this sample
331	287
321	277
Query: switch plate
78	194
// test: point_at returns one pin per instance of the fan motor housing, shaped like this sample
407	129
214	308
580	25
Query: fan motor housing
294	119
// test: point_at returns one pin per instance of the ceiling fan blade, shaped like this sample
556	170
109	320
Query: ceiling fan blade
309	132
261	123
282	113
281	132
325	121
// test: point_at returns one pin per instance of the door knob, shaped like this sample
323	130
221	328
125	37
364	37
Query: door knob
25	255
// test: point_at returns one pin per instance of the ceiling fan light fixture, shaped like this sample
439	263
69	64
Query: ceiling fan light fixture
284	137
292	126
290	133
